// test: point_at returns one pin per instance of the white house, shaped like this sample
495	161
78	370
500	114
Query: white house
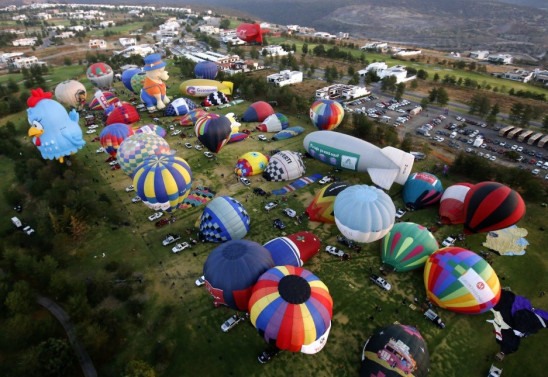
20	62
77	28
342	91
397	71
105	24
65	35
127	42
407	52
374	46
208	29
24	42
518	75
97	44
6	57
500	59
373	67
142	50
273	50
479	55
322	34
285	77
20	17
42	16
540	76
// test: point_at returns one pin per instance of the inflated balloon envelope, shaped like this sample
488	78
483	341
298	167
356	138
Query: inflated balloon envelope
294	249
385	166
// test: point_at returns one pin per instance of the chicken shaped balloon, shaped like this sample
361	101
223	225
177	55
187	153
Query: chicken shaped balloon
55	132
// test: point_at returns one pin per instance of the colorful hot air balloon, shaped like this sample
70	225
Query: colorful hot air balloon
224	219
237	136
394	351
232	269
123	112
113	135
251	163
459	280
326	114
321	207
101	75
292	309
250	33
364	213
136	148
257	112
71	93
288	133
215	99
137	81
491	206
163	181
213	131
274	123
407	246
127	75
421	190
152	129
102	100
206	70
451	209
192	116
294	249
179	106
284	166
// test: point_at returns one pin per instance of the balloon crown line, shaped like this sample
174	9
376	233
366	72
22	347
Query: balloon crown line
36	95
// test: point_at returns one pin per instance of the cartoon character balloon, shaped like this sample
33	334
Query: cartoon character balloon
153	93
113	135
326	114
460	280
224	219
72	93
213	131
292	309
55	132
251	163
232	269
407	246
364	213
163	181
101	75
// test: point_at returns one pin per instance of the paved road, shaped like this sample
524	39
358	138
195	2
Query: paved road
83	357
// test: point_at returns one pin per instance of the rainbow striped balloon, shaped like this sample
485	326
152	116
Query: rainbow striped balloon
326	114
291	308
113	135
461	281
163	182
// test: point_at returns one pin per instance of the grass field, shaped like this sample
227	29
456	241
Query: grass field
178	329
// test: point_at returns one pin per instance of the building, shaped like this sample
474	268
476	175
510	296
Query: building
77	28
285	77
540	76
322	34
208	29
170	28
24	42
382	70
142	50
105	24
377	46
521	75
20	17
5	57
273	50
415	110
66	34
500	59
19	62
97	44
342	91
373	67
479	55
407	52
127	42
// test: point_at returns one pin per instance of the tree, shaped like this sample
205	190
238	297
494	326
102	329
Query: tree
495	109
545	122
389	83
20	299
436	77
400	90
443	97
225	23
422	74
305	48
407	142
139	368
433	95
424	103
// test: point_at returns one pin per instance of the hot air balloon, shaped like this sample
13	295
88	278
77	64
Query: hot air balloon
326	114
215	99
213	131
192	116
224	219
250	33
137	81
292	309
152	129
364	213
284	166
163	181
206	70
72	93
421	190
274	123
123	112
232	269
100	75
203	87
407	246
257	112
459	280
251	163
288	133
237	136
452	203
491	206
136	148
294	249
394	351
113	135
102	99
179	106
321	207
127	75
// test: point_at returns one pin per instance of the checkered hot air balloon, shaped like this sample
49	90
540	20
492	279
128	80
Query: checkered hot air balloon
136	148
224	219
284	166
179	106
163	181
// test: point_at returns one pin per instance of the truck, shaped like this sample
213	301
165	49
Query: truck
435	318
15	221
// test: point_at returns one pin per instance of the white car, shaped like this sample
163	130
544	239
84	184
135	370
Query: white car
170	238
136	199
92	131
100	150
334	251
92	127
449	241
208	154
245	181
130	188
180	247
198	147
270	205
325	180
155	216
200	281
28	230
535	171
289	212
112	163
176	132
262	138
188	145
492	158
380	282
400	212
231	322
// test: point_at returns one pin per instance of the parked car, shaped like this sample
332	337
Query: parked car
231	322
92	131
136	199
198	147
325	180
262	138
28	230
171	238
200	281
188	145
162	222
337	252
130	188
245	181
289	212
208	154
278	223
115	167
180	247
270	206
100	150
113	162
266	356
400	213
435	318
449	241
155	216
535	171
380	282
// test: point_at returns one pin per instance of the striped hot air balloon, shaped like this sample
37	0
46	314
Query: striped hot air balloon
407	246
326	114
459	280
113	135
224	219
294	249
322	206
451	209
421	190
213	131
491	206
292	309
190	118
